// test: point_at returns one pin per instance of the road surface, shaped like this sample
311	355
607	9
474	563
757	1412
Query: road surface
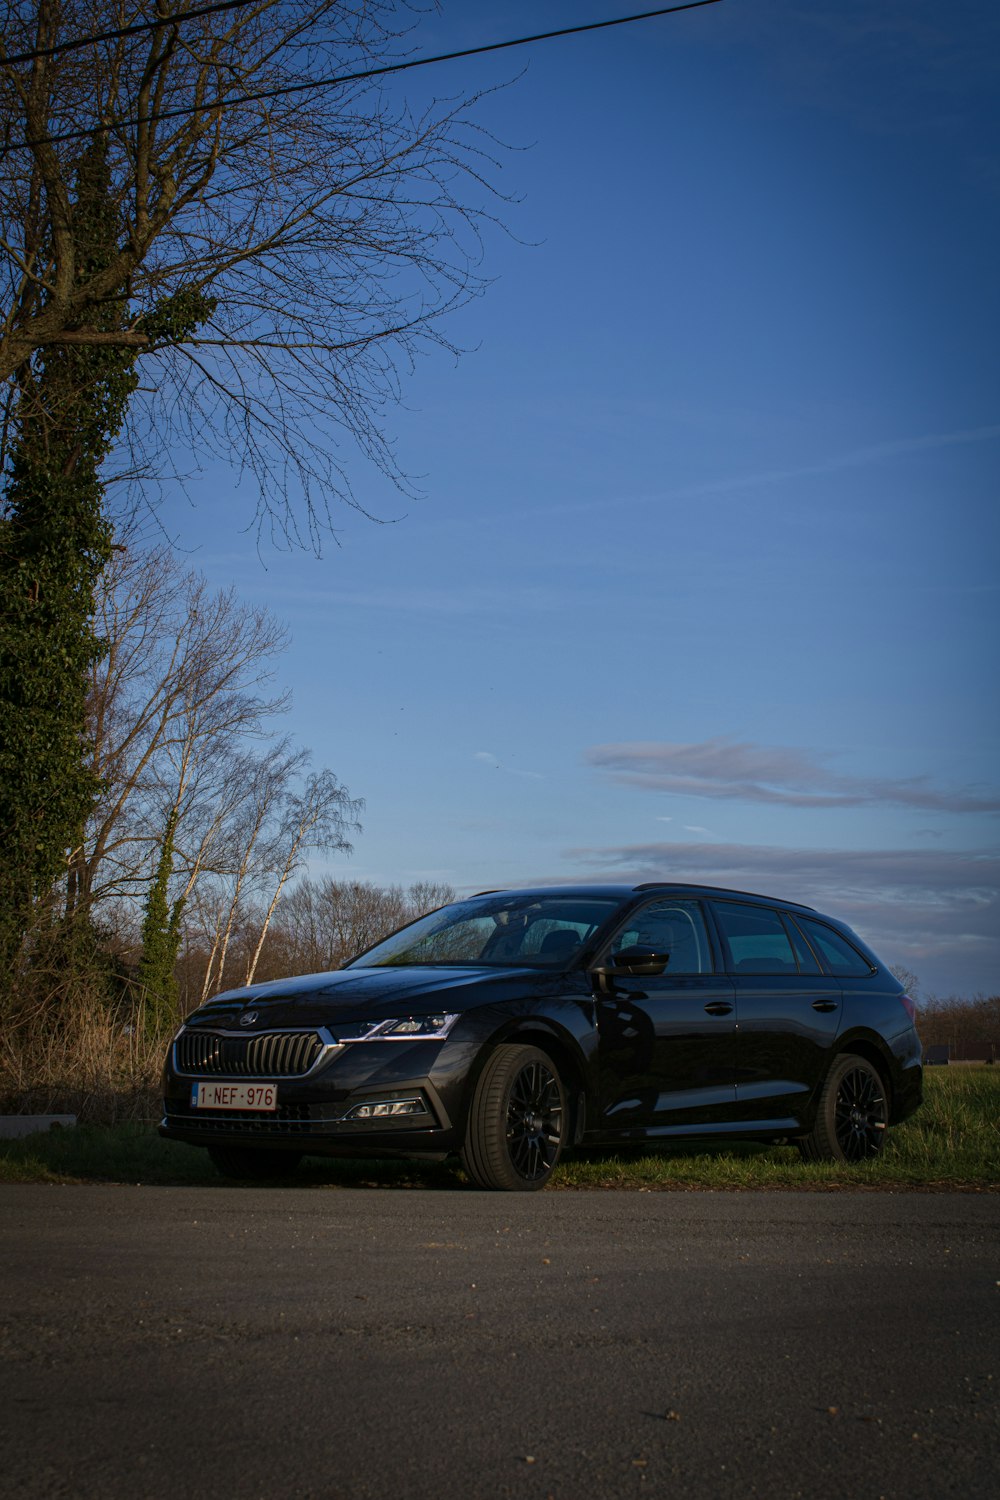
244	1342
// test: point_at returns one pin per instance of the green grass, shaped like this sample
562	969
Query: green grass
953	1142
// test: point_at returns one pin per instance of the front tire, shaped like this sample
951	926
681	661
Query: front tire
518	1121
853	1114
247	1164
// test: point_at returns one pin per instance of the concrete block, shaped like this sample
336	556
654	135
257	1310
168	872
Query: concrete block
12	1126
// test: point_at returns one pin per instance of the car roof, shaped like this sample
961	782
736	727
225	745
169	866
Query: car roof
621	892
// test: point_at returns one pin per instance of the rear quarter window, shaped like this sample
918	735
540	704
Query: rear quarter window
840	956
804	956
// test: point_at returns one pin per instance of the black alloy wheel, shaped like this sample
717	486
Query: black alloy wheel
517	1123
853	1114
860	1114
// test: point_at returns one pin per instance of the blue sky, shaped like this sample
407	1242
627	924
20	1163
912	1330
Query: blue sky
702	579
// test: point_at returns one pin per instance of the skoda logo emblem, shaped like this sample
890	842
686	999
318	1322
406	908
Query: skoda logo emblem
248	1018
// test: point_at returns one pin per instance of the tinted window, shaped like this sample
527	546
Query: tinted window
673	927
806	959
498	928
758	942
840	955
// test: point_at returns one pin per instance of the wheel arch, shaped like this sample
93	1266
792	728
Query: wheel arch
560	1046
868	1048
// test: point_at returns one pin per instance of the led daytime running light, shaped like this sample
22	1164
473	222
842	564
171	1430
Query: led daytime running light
402	1029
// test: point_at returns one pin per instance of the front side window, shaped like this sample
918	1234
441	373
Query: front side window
676	928
758	942
543	931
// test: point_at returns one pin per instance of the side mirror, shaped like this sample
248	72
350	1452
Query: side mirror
634	961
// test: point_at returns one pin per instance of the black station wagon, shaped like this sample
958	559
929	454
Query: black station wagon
512	1026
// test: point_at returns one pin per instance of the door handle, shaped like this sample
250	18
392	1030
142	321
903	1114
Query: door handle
718	1008
825	1004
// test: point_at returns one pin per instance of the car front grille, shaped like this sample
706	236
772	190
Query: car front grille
274	1054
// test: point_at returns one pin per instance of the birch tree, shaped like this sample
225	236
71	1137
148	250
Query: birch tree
185	688
316	818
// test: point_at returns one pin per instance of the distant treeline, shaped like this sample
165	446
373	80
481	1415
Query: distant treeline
959	1022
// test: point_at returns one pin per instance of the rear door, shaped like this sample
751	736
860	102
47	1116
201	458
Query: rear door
788	1013
666	1043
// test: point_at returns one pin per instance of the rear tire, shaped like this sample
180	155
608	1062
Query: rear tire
249	1164
853	1114
518	1121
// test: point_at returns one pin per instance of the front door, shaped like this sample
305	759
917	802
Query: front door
666	1043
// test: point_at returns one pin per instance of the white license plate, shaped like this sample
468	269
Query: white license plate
234	1096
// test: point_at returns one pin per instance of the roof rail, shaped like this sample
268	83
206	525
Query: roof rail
673	885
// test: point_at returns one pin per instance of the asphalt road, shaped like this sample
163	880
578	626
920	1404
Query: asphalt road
245	1342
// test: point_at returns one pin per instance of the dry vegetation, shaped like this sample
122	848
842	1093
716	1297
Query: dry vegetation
90	1046
960	1023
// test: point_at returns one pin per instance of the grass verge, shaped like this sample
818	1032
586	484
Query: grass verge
953	1142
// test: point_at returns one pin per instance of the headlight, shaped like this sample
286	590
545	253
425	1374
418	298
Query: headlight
404	1029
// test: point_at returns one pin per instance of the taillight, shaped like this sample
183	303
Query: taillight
908	1006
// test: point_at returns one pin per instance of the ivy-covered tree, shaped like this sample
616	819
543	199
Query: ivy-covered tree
54	544
161	938
190	192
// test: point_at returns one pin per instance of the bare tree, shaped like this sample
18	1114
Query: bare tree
202	800
907	979
322	923
319	817
251	848
184	686
322	218
960	1022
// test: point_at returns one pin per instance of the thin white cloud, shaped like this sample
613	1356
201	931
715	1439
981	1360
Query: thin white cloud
451	600
853	458
930	873
488	758
723	768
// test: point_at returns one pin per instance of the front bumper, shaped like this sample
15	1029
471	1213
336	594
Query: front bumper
339	1105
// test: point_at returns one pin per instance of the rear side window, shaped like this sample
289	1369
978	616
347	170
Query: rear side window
841	956
758	942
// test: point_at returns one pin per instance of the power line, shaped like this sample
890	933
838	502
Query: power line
122	31
318	83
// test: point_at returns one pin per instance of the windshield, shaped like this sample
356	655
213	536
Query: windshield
502	929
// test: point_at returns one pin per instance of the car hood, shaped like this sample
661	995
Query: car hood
369	994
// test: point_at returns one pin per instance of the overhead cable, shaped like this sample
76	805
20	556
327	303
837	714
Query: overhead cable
342	78
116	32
